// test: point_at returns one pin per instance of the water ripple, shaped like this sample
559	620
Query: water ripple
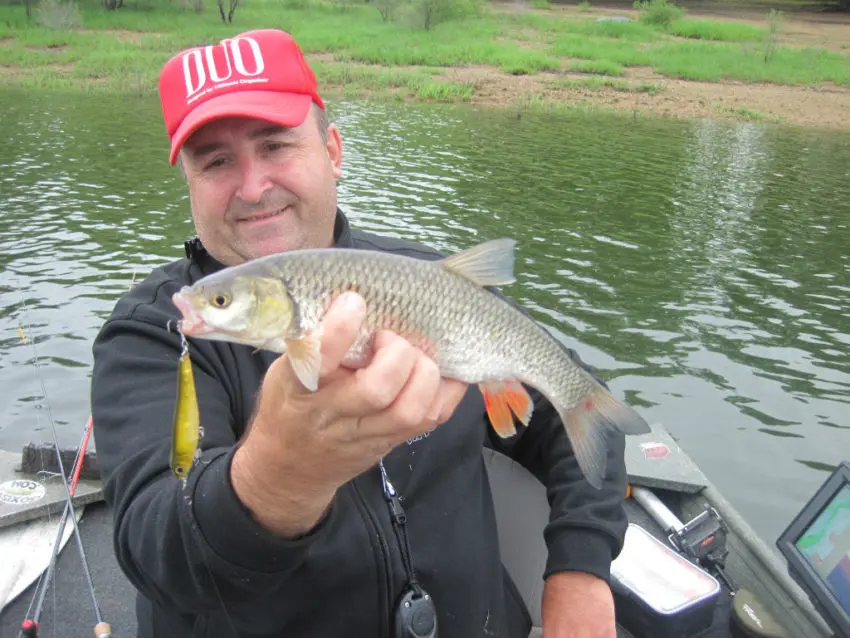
700	266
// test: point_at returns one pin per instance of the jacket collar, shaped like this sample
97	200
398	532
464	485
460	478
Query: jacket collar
342	231
197	253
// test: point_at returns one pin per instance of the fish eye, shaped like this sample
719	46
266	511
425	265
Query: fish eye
220	300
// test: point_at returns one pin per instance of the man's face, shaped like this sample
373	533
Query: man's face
257	188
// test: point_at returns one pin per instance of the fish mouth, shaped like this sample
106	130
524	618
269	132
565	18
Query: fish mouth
192	324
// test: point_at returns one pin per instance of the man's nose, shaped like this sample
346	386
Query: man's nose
255	180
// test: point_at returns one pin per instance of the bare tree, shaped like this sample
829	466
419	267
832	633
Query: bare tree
228	17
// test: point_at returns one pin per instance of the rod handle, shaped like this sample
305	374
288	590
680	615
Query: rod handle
102	630
668	521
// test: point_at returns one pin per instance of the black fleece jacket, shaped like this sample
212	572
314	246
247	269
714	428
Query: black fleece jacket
204	567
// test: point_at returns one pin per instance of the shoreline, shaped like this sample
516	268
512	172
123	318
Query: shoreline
631	88
823	108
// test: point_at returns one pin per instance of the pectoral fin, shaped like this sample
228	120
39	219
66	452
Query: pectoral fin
305	356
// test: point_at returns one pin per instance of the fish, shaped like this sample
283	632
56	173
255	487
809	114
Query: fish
186	428
446	307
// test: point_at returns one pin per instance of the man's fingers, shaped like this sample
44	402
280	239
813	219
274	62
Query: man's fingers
374	388
399	393
339	329
409	413
450	395
411	408
401	381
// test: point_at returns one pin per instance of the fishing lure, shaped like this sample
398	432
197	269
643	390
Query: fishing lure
186	430
186	434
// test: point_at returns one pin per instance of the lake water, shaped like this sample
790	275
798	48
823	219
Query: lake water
702	267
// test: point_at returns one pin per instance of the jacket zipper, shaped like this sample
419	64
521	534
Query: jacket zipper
382	556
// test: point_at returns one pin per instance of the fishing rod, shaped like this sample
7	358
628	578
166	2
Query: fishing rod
29	628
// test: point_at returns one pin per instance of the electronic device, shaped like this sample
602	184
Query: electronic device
816	545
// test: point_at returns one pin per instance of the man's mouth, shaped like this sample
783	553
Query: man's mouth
263	216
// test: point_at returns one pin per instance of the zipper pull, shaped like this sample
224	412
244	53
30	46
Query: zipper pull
396	510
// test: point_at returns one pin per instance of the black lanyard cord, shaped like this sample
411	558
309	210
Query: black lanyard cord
399	519
415	613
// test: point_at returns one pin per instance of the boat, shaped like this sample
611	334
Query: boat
672	506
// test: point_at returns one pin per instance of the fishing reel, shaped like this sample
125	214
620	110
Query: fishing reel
703	538
703	541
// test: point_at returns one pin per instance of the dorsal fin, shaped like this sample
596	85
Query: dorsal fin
487	264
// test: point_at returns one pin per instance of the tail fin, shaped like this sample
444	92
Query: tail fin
587	425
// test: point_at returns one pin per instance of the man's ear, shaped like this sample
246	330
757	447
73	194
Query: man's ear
333	145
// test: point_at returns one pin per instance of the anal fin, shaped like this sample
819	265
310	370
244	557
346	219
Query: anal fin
503	400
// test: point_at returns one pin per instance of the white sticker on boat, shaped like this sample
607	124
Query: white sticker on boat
21	492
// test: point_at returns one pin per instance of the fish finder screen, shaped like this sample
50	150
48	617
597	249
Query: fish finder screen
826	546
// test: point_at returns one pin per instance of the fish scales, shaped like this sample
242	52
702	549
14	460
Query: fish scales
472	334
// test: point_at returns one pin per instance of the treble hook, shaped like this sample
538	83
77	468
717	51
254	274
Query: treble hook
184	344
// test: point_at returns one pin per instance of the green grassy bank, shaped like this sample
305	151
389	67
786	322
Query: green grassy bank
351	45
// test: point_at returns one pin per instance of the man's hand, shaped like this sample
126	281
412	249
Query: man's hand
303	445
578	605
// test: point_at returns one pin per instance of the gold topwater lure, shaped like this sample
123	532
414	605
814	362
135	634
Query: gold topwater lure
186	430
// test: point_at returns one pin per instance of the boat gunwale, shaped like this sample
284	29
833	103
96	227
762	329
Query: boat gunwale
759	557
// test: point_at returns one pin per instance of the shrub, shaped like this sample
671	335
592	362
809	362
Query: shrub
660	13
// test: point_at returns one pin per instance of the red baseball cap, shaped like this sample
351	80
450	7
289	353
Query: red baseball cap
260	74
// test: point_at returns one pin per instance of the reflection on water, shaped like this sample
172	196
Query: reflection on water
699	265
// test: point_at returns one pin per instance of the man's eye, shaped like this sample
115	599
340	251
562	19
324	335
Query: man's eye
219	161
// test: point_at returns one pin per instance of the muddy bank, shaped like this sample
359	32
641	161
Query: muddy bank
823	106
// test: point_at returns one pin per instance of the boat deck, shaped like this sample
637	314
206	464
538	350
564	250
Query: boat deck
654	461
68	608
68	611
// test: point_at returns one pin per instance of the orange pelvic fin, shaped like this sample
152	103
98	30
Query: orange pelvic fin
503	400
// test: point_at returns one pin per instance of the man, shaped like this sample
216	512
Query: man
284	525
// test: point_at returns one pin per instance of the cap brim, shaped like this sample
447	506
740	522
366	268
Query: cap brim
286	109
